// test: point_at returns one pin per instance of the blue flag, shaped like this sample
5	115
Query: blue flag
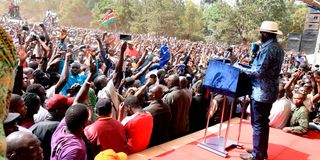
164	55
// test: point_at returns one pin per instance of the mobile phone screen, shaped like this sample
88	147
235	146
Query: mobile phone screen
125	37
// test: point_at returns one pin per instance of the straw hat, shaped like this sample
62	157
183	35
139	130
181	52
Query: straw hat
270	27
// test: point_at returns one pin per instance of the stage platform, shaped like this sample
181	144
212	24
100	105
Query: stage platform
282	146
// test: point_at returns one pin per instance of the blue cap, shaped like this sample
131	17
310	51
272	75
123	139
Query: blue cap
181	66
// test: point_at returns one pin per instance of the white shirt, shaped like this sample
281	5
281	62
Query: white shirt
41	115
51	92
110	92
280	113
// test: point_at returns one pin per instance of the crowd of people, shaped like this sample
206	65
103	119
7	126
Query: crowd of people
85	94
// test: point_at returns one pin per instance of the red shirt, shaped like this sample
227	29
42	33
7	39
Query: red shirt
132	52
106	133
138	129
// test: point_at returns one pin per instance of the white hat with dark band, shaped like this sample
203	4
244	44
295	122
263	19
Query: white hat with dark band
270	27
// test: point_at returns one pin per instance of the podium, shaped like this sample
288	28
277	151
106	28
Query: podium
229	81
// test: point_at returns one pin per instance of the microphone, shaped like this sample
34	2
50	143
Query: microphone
228	54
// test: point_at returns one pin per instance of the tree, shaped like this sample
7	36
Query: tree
91	3
123	10
238	24
297	19
191	20
99	11
74	13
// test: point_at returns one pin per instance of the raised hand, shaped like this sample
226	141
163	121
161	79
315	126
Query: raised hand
124	47
93	69
22	53
63	34
297	74
68	56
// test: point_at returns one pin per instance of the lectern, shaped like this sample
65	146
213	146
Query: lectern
226	80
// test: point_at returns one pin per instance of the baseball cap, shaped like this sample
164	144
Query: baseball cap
59	101
109	154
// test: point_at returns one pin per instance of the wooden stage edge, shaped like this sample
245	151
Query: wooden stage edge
162	148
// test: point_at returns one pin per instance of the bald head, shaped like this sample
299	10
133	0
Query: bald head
100	82
183	82
23	145
156	92
173	81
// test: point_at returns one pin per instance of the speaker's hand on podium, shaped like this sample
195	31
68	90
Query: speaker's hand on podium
237	65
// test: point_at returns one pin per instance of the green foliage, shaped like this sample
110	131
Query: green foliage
191	20
296	18
219	22
91	3
162	17
100	9
238	24
74	13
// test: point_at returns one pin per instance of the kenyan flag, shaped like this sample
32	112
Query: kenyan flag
110	17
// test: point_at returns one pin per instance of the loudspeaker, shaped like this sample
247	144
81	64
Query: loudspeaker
294	40
313	11
309	41
313	18
312	26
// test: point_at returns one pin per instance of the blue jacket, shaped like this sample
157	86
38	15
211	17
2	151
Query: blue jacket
265	72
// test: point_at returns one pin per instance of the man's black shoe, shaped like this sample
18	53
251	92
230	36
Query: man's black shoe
246	157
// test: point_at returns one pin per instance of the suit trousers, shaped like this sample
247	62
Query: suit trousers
260	112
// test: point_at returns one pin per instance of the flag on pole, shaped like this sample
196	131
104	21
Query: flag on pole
164	54
110	17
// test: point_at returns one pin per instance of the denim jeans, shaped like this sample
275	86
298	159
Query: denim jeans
260	125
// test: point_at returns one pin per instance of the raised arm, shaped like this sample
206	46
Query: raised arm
287	87
143	57
83	92
103	54
44	56
142	88
18	81
144	70
64	74
118	69
45	33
